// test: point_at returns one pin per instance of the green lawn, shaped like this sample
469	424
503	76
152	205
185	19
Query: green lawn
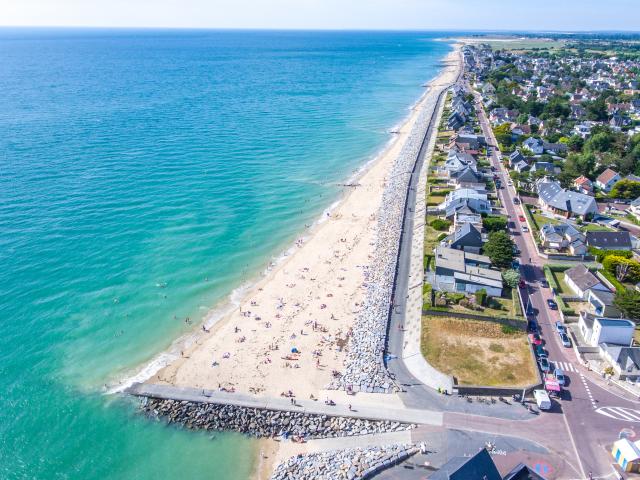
591	227
564	288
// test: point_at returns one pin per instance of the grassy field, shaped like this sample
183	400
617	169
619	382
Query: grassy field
518	44
430	236
477	352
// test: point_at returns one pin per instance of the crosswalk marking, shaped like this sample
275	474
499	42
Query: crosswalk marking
620	413
566	366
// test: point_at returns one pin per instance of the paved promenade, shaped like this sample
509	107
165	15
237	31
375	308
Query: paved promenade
418	416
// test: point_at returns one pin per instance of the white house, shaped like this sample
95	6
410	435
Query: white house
607	179
613	331
535	145
581	280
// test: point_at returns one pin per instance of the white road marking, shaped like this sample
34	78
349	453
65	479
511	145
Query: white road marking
620	413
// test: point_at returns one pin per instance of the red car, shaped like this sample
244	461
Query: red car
535	339
521	218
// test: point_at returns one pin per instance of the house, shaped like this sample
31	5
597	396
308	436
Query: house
520	130
609	240
465	237
627	454
475	200
554	198
596	329
463	272
480	466
457	161
581	280
521	166
546	167
467	205
607	179
601	303
624	360
560	236
461	217
516	157
554	148
634	207
535	145
465	176
583	129
583	185
474	141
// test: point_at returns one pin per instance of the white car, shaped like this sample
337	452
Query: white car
525	228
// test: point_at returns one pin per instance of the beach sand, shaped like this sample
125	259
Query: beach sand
307	303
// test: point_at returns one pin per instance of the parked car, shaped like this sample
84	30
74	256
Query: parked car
559	374
566	342
542	399
516	201
560	328
522	219
545	366
552	305
521	283
525	228
540	351
535	339
544	283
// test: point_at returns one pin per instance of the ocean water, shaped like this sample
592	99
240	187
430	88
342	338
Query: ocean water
143	176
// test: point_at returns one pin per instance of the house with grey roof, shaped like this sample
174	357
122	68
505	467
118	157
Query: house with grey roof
601	303
634	208
609	240
458	271
581	281
479	466
545	167
563	237
465	176
552	197
465	237
624	360
535	145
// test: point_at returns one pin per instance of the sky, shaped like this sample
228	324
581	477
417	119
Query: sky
532	15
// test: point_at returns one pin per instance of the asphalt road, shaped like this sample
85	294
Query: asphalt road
593	413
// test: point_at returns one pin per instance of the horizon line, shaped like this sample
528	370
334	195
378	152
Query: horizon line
318	29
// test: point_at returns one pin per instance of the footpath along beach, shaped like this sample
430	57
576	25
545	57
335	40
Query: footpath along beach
316	323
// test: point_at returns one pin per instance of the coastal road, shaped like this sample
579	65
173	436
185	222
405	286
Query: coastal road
592	412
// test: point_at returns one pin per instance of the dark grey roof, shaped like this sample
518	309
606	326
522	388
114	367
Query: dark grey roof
609	240
557	197
478	467
582	277
466	236
467	175
522	472
627	357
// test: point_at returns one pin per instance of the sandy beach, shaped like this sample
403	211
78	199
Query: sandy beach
292	328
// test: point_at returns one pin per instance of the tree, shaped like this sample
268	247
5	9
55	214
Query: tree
494	223
499	248
503	134
625	269
625	189
511	278
481	297
628	302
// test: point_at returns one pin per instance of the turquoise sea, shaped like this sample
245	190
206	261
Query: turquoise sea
145	174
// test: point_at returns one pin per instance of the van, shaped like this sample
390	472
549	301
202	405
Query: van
559	374
542	399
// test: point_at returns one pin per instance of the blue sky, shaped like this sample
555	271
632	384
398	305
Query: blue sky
331	14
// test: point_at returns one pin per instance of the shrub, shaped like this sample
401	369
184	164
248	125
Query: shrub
441	237
508	329
623	268
602	254
494	223
440	224
481	297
